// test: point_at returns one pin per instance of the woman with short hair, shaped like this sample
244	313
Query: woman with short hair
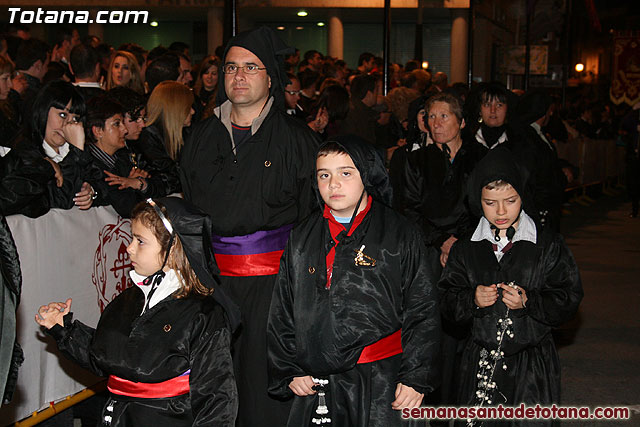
47	166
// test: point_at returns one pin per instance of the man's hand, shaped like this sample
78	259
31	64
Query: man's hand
406	397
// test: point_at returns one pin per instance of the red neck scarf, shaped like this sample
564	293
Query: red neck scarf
335	228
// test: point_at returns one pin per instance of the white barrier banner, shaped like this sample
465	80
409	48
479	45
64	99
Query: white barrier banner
63	254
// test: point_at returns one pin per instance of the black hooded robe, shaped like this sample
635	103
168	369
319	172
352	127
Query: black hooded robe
321	332
163	343
176	336
264	185
548	273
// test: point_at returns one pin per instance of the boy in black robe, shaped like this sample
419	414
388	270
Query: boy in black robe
354	325
512	281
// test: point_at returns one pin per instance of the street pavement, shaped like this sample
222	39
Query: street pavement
600	348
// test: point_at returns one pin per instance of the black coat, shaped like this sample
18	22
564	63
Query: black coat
547	179
142	348
317	331
28	184
550	277
266	185
123	201
151	155
434	191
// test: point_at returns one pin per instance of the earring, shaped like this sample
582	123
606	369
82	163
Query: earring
480	119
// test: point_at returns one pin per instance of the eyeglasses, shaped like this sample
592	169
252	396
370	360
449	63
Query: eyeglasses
293	92
247	69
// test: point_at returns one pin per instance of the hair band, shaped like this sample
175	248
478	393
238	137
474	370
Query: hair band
163	218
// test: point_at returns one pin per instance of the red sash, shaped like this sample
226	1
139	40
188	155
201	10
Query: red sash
170	388
249	265
381	349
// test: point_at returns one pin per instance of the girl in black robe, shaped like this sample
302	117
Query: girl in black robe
512	282
354	307
165	343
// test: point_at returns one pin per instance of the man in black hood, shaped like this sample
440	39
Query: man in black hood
250	167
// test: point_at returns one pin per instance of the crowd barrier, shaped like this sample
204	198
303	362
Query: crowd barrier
599	160
65	253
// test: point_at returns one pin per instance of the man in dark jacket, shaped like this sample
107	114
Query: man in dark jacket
250	167
547	180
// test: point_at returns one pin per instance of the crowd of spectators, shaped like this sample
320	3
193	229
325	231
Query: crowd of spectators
56	96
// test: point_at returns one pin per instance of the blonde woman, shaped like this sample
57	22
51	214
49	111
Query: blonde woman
169	110
125	71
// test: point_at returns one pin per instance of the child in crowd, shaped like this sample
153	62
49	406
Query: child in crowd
164	343
512	282
354	327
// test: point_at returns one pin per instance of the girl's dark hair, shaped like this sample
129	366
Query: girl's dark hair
178	260
55	94
336	100
100	108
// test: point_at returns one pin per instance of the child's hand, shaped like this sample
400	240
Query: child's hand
52	314
486	296
514	298
406	397
302	386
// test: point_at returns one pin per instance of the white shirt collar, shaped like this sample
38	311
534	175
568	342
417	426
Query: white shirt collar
481	140
51	153
526	230
4	151
538	130
88	84
170	283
